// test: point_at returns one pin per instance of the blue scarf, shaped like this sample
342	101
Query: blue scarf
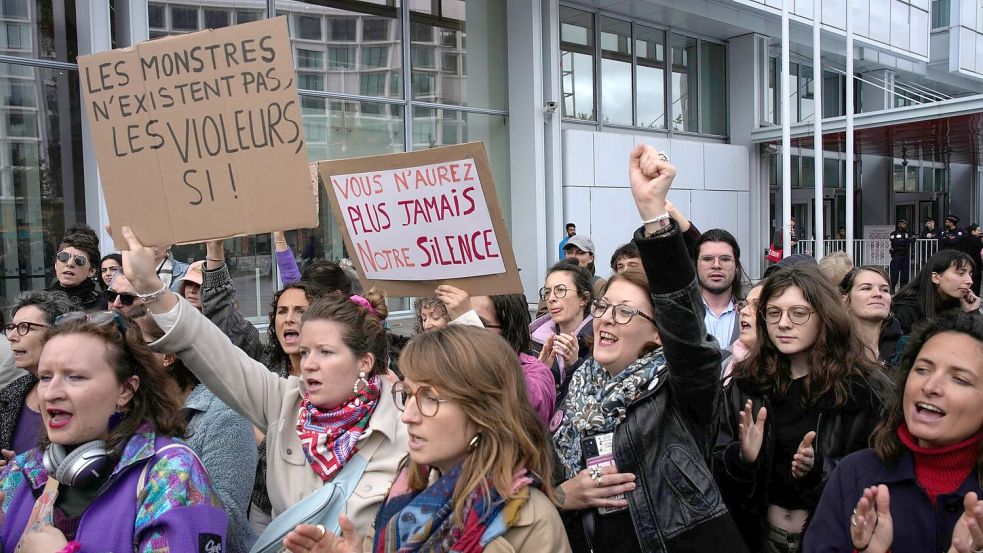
424	521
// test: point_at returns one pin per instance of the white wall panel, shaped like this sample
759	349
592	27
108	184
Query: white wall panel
611	158
718	166
687	156
576	209
919	32
714	209
578	158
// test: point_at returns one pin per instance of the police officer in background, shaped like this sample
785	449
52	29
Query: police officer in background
901	241
952	234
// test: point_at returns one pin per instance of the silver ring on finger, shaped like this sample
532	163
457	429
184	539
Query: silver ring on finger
600	481
978	549
595	473
853	522
663	156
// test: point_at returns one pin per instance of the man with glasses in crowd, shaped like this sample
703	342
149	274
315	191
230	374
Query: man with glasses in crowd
718	268
123	297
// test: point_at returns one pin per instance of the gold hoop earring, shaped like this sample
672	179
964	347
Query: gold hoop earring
473	444
361	379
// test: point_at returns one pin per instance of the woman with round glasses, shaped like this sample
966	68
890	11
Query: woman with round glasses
31	318
945	282
108	474
338	407
919	487
109	265
561	337
806	395
867	294
636	429
75	268
477	476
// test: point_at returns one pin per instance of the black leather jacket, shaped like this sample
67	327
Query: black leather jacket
668	434
839	431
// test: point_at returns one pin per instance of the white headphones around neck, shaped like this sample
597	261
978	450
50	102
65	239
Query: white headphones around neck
83	465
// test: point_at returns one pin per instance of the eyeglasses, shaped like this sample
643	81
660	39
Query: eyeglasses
723	259
559	291
798	314
94	317
426	397
80	260
124	298
22	328
622	314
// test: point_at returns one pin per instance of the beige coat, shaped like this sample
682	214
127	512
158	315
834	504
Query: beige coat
272	403
539	528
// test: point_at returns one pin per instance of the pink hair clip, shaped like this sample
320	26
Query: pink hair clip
364	303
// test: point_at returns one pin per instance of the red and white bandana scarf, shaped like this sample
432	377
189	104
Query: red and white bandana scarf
328	437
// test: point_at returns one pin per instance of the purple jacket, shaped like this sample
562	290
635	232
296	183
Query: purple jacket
176	510
919	526
539	387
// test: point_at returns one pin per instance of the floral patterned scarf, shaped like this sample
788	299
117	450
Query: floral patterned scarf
423	521
597	402
329	437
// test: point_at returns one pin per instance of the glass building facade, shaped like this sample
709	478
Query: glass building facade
374	77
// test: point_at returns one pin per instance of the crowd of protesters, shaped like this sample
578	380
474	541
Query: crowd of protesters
672	407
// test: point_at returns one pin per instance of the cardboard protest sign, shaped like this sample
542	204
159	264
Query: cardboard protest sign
415	220
200	136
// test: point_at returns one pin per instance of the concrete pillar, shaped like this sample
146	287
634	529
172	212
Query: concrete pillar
526	142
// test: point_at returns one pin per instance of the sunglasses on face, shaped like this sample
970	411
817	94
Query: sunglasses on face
80	260
124	298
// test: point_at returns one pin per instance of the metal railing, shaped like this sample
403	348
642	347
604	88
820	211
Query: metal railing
874	252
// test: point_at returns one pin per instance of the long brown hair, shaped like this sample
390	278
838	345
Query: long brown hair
887	445
155	398
481	373
835	357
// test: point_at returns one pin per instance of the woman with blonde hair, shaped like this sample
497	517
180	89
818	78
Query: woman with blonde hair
478	470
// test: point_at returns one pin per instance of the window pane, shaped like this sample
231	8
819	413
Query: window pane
374	30
341	28
356	53
15	9
308	28
616	71
341	58
475	31
684	88
831	173
41	181
577	63
806	92
184	19
156	16
650	63
309	59
307	81
38	29
713	101
833	93
215	19
245	16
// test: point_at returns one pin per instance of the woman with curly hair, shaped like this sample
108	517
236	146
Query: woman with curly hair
817	397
